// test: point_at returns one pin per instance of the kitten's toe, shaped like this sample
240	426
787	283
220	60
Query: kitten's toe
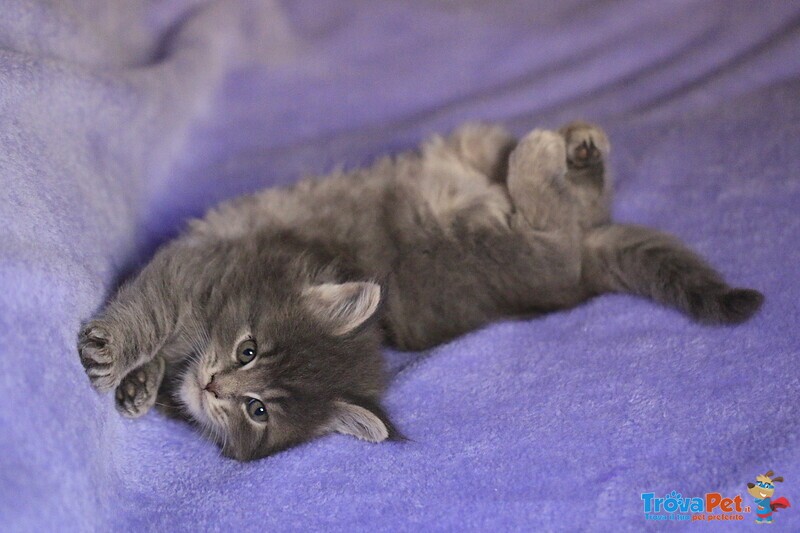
139	389
96	350
587	144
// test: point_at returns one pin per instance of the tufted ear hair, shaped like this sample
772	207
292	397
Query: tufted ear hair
362	419
347	306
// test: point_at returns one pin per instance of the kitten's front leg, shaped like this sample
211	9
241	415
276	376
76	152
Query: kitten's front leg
131	329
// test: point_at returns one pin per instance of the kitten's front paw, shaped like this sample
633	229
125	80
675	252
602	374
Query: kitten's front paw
99	355
139	389
587	144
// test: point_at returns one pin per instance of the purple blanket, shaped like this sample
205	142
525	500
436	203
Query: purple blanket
119	119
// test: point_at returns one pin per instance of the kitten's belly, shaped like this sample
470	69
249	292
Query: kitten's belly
453	287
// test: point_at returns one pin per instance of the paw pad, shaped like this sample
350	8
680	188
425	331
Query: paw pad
586	153
587	145
138	391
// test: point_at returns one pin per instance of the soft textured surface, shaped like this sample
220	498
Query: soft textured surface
120	119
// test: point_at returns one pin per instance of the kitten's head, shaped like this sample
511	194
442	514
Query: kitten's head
284	362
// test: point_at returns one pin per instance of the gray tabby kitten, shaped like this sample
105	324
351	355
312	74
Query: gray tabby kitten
263	322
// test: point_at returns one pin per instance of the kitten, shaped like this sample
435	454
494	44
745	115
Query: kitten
263	322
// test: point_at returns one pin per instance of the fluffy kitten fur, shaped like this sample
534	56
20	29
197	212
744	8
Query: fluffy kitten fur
307	281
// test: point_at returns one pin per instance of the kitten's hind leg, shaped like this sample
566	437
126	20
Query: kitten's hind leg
138	391
587	154
484	147
537	183
638	260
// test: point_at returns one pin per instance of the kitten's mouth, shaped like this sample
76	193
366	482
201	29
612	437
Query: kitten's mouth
192	394
202	393
210	387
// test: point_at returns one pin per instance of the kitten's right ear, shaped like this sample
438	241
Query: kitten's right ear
362	419
346	306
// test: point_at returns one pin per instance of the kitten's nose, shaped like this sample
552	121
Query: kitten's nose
212	387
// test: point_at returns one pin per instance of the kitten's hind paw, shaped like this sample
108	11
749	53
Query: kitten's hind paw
139	389
727	306
539	156
739	305
96	348
587	145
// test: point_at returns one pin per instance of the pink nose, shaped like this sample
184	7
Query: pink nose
212	387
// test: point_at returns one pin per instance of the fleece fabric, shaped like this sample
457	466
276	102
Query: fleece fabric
120	119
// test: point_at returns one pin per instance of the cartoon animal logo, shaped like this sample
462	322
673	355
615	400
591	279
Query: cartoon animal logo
762	490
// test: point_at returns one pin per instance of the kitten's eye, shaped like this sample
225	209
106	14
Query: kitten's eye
256	410
246	351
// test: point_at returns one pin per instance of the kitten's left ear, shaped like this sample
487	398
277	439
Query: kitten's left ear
346	305
362	419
